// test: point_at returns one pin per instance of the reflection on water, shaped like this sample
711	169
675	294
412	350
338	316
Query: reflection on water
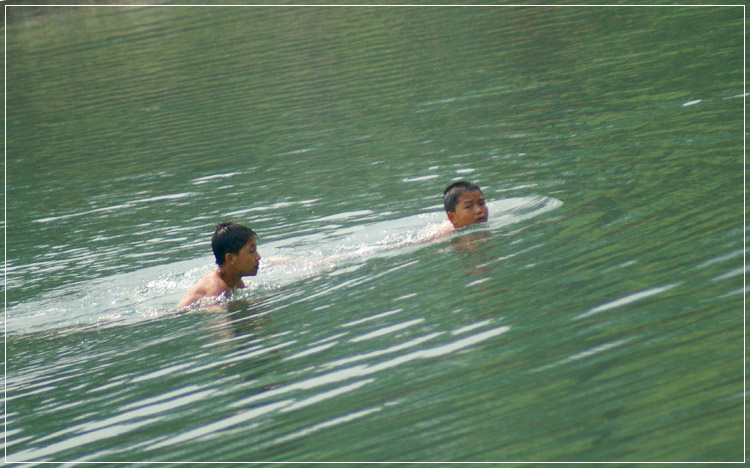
472	241
595	317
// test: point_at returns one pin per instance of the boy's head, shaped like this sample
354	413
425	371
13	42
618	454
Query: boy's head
464	204
229	238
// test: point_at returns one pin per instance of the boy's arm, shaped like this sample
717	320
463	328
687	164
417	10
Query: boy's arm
279	260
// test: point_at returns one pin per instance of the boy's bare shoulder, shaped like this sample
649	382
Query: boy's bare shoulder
209	286
438	230
213	283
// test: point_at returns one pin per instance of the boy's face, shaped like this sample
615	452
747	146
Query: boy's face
470	209
247	259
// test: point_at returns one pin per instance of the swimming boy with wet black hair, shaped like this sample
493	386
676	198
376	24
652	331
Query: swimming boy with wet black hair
235	250
464	204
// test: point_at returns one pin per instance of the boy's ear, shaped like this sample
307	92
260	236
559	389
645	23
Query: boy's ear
451	216
228	257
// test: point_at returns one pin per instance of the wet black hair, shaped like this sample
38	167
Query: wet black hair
229	237
455	190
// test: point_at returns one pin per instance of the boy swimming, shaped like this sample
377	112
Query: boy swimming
464	204
236	253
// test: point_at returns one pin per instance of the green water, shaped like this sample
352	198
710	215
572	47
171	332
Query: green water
597	317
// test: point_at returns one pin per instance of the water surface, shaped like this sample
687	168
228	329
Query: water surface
598	315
